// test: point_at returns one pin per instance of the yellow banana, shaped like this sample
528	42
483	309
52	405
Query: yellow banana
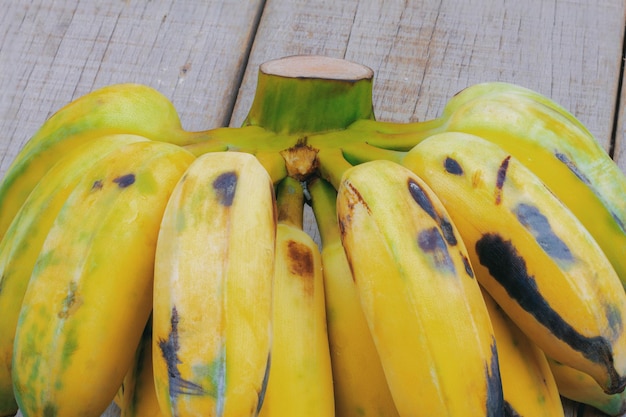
300	379
423	305
546	138
360	386
580	387
90	294
119	108
527	381
530	253
137	398
25	236
559	150
213	289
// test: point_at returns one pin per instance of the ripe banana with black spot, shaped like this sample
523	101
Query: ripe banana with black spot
558	149
300	379
527	381
213	289
530	253
90	293
422	303
25	236
360	387
547	139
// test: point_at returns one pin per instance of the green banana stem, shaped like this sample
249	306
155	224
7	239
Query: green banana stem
427	127
323	203
230	138
274	164
290	202
332	165
358	153
307	94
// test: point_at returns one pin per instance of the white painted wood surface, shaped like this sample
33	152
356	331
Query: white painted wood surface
204	55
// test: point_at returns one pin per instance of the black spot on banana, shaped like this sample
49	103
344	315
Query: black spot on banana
169	350
263	389
225	186
571	165
468	266
495	395
504	166
538	224
431	242
125	180
421	198
509	411
97	185
505	264
452	166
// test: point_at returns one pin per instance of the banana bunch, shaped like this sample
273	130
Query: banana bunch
470	265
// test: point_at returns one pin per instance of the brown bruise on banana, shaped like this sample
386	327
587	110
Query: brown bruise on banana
500	178
301	264
225	186
508	268
495	395
353	198
169	351
71	302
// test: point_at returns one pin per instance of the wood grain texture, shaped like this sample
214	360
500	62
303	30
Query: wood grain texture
204	55
54	52
424	52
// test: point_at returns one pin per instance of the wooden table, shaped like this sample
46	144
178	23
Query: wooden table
204	55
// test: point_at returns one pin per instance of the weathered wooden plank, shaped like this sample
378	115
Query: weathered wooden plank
424	52
53	52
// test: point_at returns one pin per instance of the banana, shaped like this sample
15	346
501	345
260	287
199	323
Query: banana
438	353
580	387
530	253
25	236
119	108
300	379
90	293
527	381
213	289
559	150
138	397
360	386
547	139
